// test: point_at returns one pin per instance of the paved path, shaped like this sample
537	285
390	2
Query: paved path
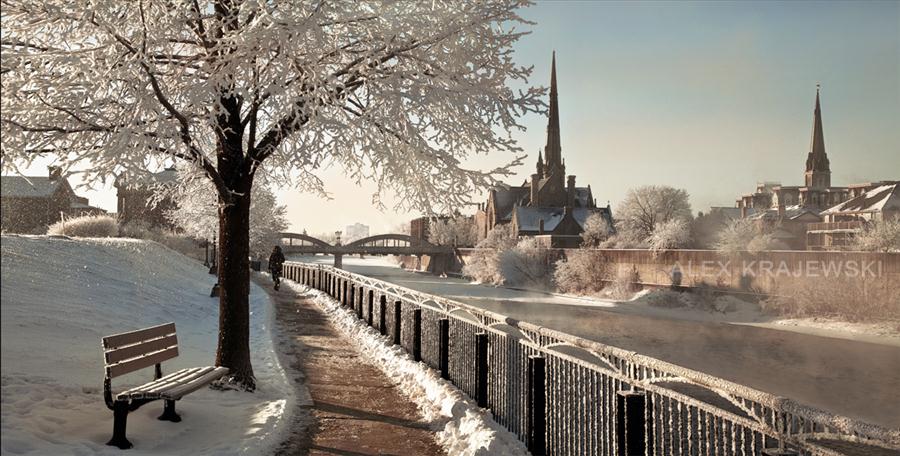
356	409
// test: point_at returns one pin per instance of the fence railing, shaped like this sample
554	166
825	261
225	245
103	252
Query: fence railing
564	395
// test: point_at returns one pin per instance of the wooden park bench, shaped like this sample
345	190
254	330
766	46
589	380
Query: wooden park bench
128	352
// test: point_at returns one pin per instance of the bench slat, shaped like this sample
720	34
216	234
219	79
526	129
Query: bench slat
205	379
120	354
132	365
133	337
176	384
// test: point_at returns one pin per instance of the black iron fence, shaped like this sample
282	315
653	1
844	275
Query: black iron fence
564	395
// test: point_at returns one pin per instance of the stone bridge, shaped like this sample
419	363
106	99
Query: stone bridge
380	244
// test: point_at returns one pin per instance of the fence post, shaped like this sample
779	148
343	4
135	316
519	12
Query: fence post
631	422
481	369
444	347
535	403
417	335
398	321
343	292
352	295
382	317
369	317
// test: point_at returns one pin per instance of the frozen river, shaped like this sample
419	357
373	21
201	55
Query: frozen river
853	378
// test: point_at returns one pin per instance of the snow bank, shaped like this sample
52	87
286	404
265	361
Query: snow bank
61	296
464	428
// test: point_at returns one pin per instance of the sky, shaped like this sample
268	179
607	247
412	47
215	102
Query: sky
712	97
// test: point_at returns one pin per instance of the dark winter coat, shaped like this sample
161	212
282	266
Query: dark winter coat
276	260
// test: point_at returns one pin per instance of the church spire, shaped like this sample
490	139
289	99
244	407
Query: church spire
540	164
818	170
553	148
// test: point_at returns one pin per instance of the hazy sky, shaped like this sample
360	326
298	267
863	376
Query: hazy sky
711	97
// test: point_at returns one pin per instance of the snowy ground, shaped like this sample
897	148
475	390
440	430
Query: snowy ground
60	297
464	429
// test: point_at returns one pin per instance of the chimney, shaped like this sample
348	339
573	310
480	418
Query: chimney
567	211
570	187
54	172
534	190
541	226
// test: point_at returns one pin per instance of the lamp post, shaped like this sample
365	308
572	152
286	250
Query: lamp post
214	269
206	246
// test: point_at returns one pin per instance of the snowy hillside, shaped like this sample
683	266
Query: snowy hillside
61	296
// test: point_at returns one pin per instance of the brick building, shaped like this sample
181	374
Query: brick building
30	204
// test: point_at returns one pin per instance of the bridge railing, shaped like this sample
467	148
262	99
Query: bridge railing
564	395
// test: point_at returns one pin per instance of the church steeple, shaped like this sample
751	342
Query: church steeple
553	148
818	169
540	165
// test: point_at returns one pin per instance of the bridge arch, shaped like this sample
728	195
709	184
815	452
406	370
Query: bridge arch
303	237
389	237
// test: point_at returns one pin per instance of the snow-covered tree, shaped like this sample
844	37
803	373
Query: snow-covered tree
526	264
744	235
880	236
596	230
395	93
196	212
671	234
646	207
459	231
483	265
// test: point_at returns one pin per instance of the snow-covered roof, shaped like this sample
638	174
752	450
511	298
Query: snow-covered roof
790	212
28	187
529	218
876	200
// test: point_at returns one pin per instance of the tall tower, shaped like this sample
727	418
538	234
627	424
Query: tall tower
818	170
553	151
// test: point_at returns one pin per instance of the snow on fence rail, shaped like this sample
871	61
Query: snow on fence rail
564	395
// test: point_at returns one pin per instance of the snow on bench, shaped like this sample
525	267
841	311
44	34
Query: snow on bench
132	351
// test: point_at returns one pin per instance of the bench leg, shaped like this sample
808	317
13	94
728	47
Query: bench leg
120	419
169	412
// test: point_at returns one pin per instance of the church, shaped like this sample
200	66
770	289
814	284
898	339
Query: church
549	203
792	209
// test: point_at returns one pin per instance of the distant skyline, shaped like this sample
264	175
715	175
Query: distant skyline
709	97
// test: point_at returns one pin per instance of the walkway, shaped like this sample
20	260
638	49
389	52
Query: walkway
356	409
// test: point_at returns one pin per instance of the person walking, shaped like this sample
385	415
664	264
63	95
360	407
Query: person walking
276	262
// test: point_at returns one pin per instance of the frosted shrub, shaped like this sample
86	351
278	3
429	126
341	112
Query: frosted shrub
86	226
883	236
484	264
845	298
742	234
672	234
624	286
582	272
526	264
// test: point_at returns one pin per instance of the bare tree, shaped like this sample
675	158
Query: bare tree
879	236
395	93
644	208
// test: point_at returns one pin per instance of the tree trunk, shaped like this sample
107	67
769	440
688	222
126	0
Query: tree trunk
234	300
